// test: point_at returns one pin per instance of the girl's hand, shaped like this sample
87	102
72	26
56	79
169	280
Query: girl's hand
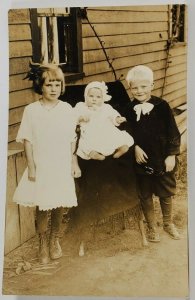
120	120
170	163
76	171
140	156
31	173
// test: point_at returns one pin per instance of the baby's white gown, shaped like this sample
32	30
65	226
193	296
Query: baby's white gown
100	132
50	133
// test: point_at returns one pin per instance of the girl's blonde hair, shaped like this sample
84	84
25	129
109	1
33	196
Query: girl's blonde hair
39	72
139	73
98	85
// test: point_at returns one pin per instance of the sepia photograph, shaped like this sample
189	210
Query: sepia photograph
96	184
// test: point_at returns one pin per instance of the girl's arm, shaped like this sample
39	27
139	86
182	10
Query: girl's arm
30	161
76	171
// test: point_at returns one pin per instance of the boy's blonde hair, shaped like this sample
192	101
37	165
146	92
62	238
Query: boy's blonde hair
139	73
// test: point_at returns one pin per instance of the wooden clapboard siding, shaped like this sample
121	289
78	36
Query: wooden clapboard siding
12	132
120	63
19	16
110	29
174	86
15	115
90	56
182	127
20	54
172	70
124	40
13	146
116	16
181	117
171	97
19	32
19	65
170	80
20	98
146	8
17	82
178	101
20	49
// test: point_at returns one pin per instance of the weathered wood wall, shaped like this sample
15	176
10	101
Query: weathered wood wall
19	221
20	53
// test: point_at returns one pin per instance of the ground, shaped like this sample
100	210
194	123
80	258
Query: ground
115	264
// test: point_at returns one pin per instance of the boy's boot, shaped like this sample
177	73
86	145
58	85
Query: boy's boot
148	211
171	230
168	226
55	249
153	235
43	249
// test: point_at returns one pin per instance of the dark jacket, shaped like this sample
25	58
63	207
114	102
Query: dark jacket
156	133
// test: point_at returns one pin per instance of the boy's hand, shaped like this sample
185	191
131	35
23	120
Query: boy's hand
120	120
170	163
75	171
31	173
140	156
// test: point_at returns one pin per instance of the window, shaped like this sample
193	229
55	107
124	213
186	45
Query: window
177	26
57	37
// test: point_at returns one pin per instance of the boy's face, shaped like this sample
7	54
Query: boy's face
141	89
94	97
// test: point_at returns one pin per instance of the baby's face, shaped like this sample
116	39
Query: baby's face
94	97
141	89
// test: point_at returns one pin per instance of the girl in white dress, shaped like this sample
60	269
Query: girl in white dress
48	133
100	136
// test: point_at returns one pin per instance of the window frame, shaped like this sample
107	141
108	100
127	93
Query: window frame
74	71
173	39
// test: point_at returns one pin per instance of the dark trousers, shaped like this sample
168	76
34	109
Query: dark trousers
163	187
42	220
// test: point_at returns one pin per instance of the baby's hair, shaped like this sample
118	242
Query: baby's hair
39	72
98	85
139	73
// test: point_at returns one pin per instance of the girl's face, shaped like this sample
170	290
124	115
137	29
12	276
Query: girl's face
94	97
51	90
141	89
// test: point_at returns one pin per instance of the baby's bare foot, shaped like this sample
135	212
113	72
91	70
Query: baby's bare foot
120	151
96	155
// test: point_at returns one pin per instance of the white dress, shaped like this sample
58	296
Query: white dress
100	132
50	132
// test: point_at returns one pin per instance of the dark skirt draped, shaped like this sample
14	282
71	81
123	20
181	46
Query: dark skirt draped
105	189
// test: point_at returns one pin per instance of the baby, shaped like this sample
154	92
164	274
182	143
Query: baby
98	121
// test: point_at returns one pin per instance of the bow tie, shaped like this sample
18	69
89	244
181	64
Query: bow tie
143	108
